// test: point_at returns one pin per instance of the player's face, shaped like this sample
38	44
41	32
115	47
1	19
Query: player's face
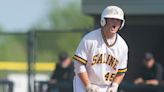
66	62
113	24
150	63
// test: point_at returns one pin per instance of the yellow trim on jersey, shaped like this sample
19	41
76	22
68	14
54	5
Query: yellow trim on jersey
122	70
77	58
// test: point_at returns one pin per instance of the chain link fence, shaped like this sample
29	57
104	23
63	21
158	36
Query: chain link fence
26	58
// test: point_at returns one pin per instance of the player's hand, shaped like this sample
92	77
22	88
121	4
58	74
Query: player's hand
113	88
92	88
53	81
152	82
138	81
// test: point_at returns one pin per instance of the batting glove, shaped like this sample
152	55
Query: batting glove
113	88
92	88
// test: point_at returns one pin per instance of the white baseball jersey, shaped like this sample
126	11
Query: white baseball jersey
101	61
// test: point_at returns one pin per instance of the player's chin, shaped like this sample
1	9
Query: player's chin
114	31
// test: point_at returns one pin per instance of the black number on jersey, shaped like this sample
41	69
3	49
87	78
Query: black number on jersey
109	76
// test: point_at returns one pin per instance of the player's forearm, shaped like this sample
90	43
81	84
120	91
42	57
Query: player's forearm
118	79
80	69
84	78
152	82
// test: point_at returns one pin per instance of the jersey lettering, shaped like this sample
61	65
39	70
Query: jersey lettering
105	59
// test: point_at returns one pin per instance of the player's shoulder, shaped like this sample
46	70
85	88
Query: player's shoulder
92	35
91	38
122	42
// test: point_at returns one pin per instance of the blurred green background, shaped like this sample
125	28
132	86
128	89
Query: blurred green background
13	46
49	43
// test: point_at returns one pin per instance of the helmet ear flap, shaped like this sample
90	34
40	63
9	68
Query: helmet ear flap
103	22
122	24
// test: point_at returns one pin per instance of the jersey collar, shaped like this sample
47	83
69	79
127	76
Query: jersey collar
105	40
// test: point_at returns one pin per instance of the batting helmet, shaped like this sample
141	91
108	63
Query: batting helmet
112	12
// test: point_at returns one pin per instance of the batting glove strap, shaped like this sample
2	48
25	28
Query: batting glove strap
92	88
115	85
113	88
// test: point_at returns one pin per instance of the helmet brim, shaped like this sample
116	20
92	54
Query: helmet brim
115	17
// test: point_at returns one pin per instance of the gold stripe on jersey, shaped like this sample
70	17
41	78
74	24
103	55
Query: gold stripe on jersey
122	70
77	58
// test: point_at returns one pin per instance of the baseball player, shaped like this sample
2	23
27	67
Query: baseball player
100	60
